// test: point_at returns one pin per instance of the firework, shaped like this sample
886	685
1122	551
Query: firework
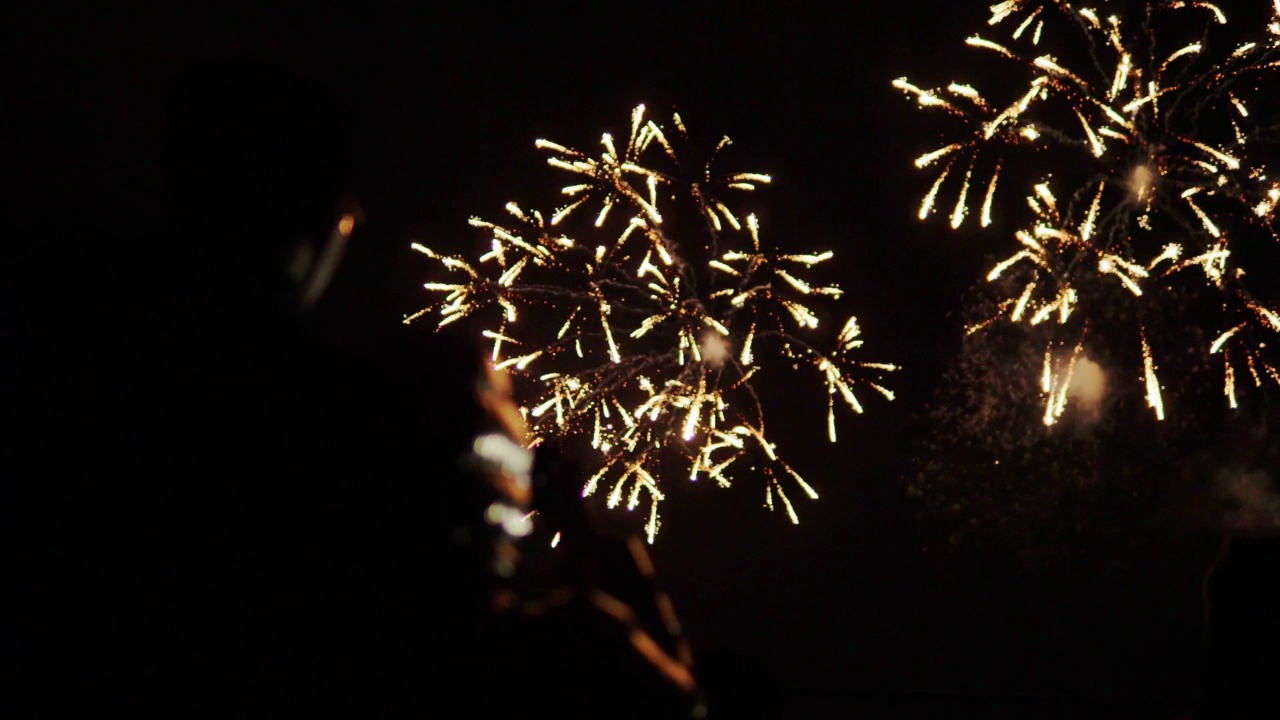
1150	135
638	314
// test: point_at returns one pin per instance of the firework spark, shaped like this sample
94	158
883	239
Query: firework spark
1164	162
638	314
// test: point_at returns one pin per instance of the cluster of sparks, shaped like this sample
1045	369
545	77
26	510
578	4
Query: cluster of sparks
643	338
1164	165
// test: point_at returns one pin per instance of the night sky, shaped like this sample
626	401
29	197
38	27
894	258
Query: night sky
867	604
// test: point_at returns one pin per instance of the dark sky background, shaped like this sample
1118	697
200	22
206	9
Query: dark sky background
860	606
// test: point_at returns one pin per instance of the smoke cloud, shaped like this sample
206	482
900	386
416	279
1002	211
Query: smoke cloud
1252	499
1087	389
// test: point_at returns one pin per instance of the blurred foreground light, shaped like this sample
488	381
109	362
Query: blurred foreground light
514	459
513	521
347	224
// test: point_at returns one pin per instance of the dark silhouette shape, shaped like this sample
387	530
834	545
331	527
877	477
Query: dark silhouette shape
1242	629
739	686
216	509
222	510
600	635
259	163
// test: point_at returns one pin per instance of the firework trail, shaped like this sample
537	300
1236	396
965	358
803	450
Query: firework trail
638	314
1149	133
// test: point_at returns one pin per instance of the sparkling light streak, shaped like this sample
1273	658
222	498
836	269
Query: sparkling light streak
1142	158
637	315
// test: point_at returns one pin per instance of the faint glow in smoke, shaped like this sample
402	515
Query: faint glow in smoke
1088	384
714	348
1140	183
